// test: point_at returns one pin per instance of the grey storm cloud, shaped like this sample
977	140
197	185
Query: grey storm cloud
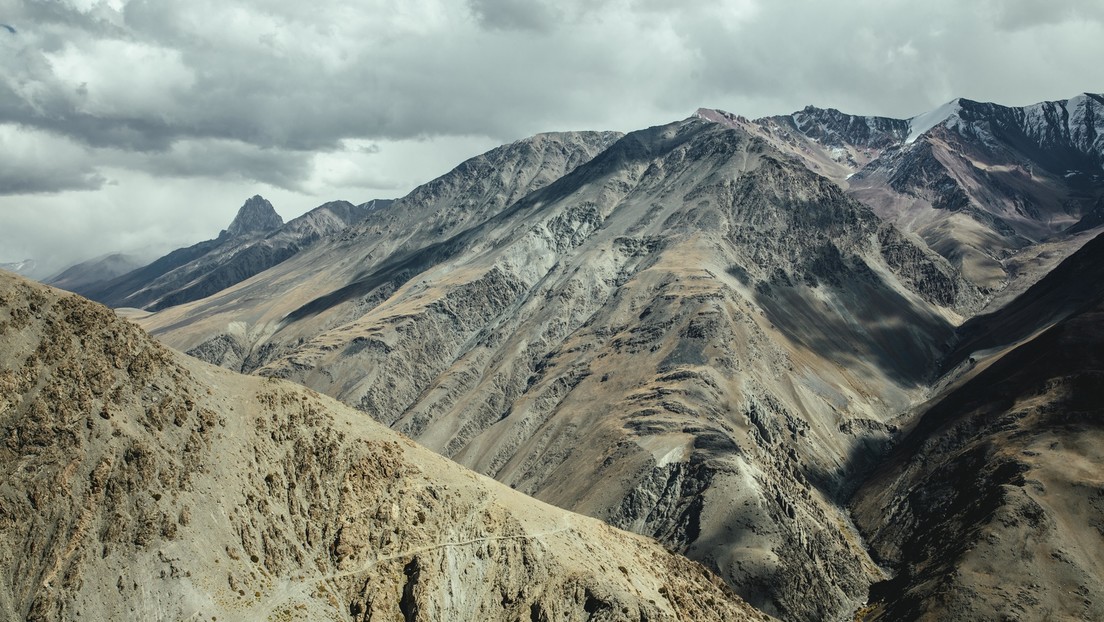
303	77
275	91
46	164
222	159
516	14
42	179
1026	14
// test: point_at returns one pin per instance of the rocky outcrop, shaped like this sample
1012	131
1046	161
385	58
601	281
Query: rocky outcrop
255	216
141	484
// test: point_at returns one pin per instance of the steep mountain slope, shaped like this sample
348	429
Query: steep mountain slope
982	184
1068	289
979	182
689	335
478	189
141	484
992	507
81	277
256	240
216	271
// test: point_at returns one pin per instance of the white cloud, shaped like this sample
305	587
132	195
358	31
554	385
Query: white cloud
39	162
115	78
278	97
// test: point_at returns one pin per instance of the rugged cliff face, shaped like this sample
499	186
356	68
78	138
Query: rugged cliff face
142	484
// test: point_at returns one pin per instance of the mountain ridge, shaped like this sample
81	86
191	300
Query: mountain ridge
256	240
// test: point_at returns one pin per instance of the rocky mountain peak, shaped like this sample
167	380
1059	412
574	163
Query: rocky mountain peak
838	129
720	116
255	216
1068	128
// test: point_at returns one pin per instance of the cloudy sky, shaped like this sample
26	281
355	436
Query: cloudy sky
139	125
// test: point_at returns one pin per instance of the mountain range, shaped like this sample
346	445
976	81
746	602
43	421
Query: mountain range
256	240
849	364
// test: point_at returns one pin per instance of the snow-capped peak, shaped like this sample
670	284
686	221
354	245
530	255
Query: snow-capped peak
924	122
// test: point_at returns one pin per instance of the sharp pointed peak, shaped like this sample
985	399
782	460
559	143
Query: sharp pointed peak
256	215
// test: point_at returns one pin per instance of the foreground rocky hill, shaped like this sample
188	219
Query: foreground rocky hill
138	483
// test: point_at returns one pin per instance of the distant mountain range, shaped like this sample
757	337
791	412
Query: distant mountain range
27	267
847	363
86	274
977	182
256	240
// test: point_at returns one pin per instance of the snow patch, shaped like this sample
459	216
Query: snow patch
924	122
1076	102
677	454
719	116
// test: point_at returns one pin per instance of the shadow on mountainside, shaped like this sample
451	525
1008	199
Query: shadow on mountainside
871	326
635	148
1066	290
970	470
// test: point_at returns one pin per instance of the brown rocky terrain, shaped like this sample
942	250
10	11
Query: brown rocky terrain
697	333
138	483
992	506
685	336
